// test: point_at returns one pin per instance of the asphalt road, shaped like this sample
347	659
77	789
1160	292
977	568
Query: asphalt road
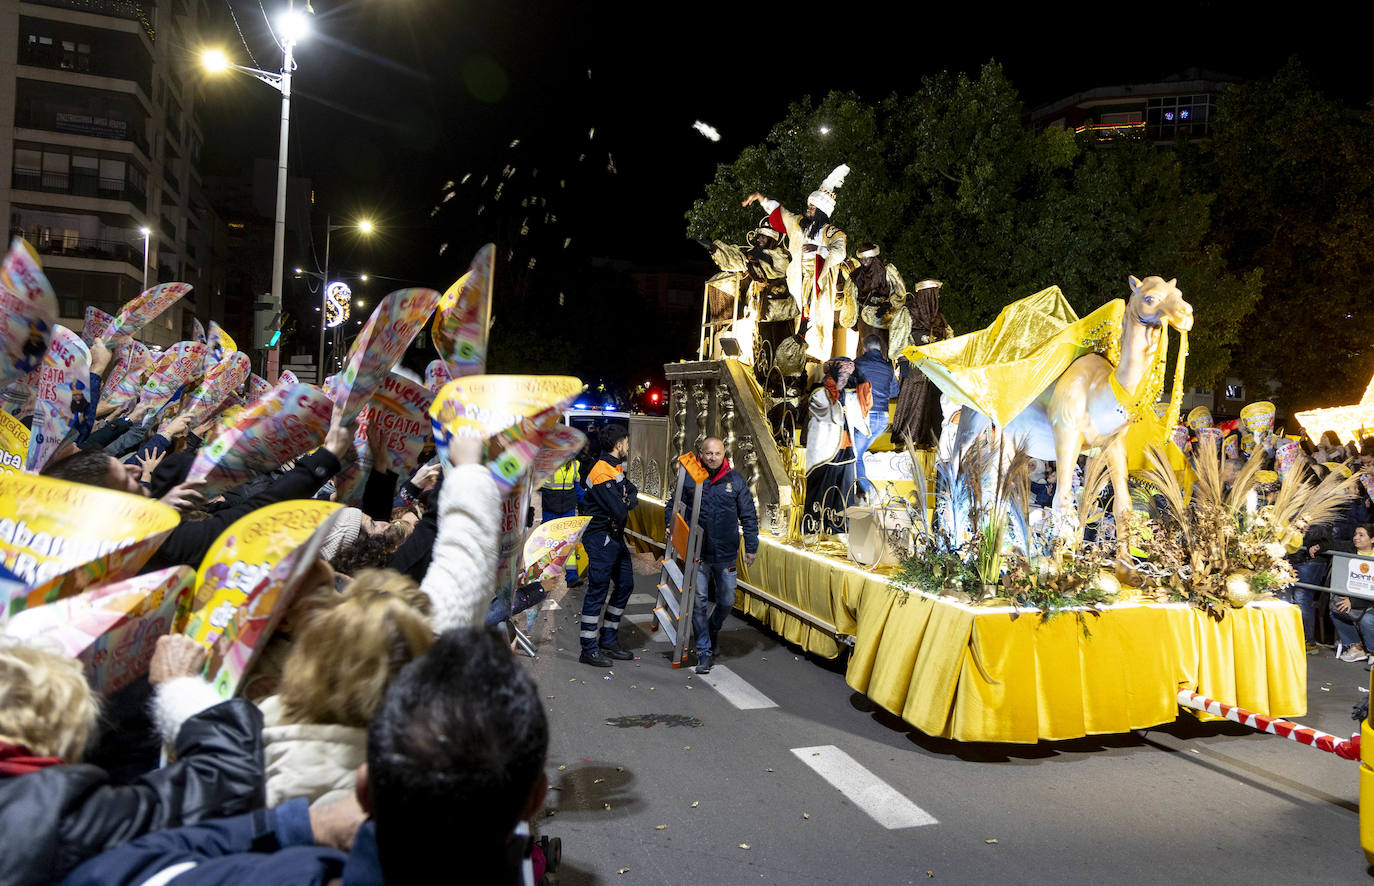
659	776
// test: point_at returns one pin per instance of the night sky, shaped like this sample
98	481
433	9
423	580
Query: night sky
397	97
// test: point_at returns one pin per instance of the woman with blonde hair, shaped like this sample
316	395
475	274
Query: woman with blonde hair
342	660
61	811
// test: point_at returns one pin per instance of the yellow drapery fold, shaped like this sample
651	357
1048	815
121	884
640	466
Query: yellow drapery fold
1000	370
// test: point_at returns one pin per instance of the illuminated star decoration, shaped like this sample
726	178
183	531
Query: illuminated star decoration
1349	422
707	130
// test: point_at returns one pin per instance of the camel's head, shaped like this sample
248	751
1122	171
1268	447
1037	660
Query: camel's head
1156	300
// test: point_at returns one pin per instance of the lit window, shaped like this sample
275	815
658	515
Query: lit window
1235	392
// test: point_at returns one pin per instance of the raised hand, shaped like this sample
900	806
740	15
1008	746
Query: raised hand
176	655
184	497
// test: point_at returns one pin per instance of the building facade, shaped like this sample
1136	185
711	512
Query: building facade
1179	106
99	131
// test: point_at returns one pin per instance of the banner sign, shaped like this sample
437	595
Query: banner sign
248	630
436	376
14	443
63	383
98	323
464	317
400	405
221	381
28	312
179	364
136	314
549	546
112	629
384	338
243	556
290	421
61	537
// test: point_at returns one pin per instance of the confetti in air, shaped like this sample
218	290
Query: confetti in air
448	185
591	134
443	247
567	241
481	209
562	182
433	212
581	157
531	264
515	143
707	130
484	181
610	163
465	179
448	196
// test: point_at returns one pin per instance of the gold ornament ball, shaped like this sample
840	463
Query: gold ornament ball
1238	591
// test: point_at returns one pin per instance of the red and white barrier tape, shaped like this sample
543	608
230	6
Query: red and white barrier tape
1348	748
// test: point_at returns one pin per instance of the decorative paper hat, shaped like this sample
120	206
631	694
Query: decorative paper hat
1210	435
1337	467
1200	417
1231	446
1285	456
1266	478
868	250
1258	417
1181	436
824	197
927	284
766	230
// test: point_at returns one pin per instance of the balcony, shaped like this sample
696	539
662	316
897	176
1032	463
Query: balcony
133	10
82	247
80	124
116	62
80	186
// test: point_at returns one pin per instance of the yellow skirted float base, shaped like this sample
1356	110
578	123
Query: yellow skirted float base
988	674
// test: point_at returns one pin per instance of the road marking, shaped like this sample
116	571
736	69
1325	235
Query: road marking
550	605
736	691
641	600
864	789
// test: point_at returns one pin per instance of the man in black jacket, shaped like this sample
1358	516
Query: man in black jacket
727	509
610	498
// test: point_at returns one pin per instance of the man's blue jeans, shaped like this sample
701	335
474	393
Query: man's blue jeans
725	577
877	423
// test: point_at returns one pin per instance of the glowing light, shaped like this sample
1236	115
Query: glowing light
362	277
1349	422
1185	114
336	304
365	226
707	130
293	26
825	130
214	60
360	303
145	231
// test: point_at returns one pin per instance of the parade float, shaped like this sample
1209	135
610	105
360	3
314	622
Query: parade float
965	610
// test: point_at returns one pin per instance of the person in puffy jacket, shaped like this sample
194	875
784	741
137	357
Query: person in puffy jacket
727	511
57	812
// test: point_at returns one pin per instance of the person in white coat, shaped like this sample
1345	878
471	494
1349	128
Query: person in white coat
838	404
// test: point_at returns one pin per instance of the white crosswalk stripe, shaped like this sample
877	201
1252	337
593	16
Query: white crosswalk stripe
865	790
734	689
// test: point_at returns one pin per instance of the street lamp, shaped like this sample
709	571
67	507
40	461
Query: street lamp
146	232
364	226
291	27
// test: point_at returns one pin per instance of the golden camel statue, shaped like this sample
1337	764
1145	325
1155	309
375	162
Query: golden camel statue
1037	373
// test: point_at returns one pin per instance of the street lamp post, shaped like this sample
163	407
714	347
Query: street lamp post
147	232
364	226
291	27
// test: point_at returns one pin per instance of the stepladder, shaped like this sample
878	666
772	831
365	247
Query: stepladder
677	582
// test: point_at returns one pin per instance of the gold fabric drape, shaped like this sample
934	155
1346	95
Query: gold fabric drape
1000	370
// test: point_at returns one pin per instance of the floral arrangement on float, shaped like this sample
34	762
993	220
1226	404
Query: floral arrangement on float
1208	544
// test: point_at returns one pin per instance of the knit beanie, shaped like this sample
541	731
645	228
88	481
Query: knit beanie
346	529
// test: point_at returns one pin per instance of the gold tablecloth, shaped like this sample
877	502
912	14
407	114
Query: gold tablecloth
989	674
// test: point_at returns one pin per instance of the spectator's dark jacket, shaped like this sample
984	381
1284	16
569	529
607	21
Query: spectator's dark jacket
190	540
726	509
878	373
56	818
610	496
263	848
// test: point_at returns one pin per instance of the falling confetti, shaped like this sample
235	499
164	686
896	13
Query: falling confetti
433	212
591	134
806	815
610	163
660	827
623	871
567	241
696	803
500	186
515	143
508	171
443	247
465	179
581	157
562	182
448	185
525	228
525	202
707	130
744	845
990	841
560	302
531	267
481	209
448	196
484	181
